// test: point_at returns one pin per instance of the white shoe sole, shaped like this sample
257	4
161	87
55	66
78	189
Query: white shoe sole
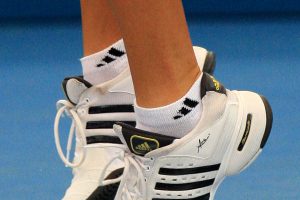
250	135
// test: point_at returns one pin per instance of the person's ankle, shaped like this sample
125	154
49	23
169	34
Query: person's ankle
175	119
163	94
106	64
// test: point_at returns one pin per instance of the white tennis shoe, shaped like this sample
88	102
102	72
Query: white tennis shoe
231	133
94	109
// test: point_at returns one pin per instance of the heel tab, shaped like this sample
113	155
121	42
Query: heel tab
209	83
210	63
73	88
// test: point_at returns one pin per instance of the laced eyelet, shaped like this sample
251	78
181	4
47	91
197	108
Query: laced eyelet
81	111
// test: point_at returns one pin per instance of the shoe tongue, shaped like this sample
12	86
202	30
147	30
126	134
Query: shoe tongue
141	142
73	88
209	83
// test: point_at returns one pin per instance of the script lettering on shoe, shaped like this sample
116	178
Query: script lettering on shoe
202	142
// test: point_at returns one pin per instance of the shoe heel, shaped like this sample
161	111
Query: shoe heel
254	131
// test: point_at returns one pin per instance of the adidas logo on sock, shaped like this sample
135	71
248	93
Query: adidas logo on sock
144	147
113	54
188	105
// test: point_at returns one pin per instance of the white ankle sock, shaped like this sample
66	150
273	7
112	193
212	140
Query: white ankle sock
175	119
106	64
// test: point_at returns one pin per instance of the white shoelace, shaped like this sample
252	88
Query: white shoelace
65	107
69	109
135	189
127	190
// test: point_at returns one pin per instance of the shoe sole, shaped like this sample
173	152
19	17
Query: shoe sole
251	138
269	116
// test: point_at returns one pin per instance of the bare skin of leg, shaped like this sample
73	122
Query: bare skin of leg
159	48
99	27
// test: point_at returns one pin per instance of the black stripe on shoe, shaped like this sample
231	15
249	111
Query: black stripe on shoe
185	171
111	109
269	122
184	186
202	197
210	63
103	139
246	132
107	192
105	124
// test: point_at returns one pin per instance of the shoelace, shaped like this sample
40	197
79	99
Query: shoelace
69	109
129	190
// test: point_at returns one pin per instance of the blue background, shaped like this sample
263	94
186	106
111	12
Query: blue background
258	48
71	8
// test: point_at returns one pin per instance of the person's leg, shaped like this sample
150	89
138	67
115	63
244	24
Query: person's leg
104	59
101	32
104	52
159	48
176	138
99	27
165	73
100	106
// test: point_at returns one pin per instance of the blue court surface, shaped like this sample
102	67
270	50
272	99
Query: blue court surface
255	53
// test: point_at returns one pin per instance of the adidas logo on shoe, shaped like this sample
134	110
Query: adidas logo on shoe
143	147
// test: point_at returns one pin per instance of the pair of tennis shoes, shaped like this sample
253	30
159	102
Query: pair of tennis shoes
114	160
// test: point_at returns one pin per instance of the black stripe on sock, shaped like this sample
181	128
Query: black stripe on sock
177	116
190	103
100	65
105	124
185	171
184	186
116	52
111	109
108	59
103	139
184	111
202	197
